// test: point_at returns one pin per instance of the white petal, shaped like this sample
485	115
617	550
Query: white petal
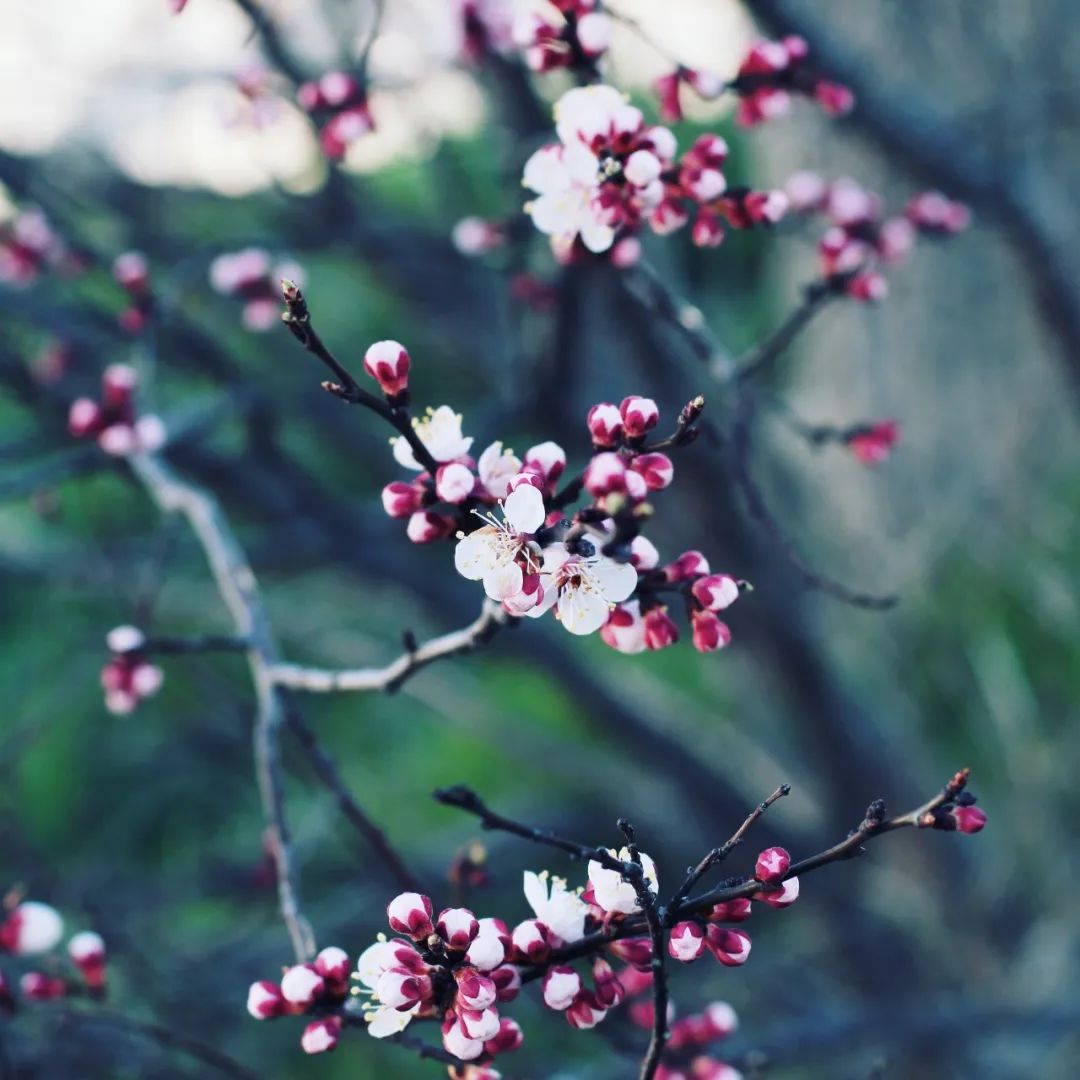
403	454
617	580
583	610
581	165
389	1022
477	554
536	892
595	235
503	581
374	960
545	172
524	509
551	594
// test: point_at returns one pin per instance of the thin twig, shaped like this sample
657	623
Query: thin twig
391	677
719	854
270	39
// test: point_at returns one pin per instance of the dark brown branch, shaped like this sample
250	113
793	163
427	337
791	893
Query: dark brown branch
271	42
327	772
741	453
719	854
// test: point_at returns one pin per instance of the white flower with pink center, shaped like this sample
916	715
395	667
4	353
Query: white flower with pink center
496	467
500	553
583	589
561	910
440	432
382	1018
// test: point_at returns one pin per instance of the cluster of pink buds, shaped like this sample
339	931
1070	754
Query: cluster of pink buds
132	274
319	989
129	676
860	238
32	928
610	173
112	420
452	969
28	247
252	276
772	72
566	34
338	104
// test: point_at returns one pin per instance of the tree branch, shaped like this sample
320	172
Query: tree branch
391	677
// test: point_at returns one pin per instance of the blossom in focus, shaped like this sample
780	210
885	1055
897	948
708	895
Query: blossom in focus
612	892
440	432
562	911
582	588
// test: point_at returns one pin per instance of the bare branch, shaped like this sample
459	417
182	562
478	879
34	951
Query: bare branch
391	677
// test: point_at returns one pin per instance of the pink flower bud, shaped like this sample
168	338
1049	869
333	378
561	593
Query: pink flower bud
703	185
637	952
709	151
873	444
594	33
454	483
604	475
608	986
410	913
707	230
969	819
869	287
715	592
660	631
530	941
87	952
479	1024
488	949
624	631
458	1043
400	499
264	1000
475	991
425	527
302	985
131	271
387	362
31	928
730	947
561	986
687	942
626	253
772	864
586	1012
721	1018
766	207
507	980
509	1037
690	564
400	989
834	98
547	460
782	897
336	88
321	1035
656	469
333	964
37	986
731	911
666	88
457	927
605	425
639	415
118	382
708	632
84	418
475	236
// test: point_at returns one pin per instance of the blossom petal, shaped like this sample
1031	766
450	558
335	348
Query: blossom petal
503	581
617	580
477	554
387	1021
524	509
583	610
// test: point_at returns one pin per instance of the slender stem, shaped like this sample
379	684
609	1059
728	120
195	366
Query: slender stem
270	39
719	854
815	297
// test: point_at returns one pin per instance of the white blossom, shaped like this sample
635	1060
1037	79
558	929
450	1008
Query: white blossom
612	892
440	432
559	909
582	589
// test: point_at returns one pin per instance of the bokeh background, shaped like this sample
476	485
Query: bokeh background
933	956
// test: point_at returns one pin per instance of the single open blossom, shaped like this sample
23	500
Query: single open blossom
561	910
440	432
382	1018
582	588
612	891
501	553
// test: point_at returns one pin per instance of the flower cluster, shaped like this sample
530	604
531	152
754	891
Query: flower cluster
316	988
610	173
252	275
132	274
338	104
772	72
28	247
32	928
861	238
508	517
129	676
112	420
563	34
